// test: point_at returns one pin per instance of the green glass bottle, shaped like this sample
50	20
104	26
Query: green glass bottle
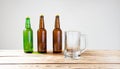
28	37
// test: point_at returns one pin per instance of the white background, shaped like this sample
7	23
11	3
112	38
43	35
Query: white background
99	19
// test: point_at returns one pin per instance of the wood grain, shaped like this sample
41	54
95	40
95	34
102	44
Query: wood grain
61	66
90	59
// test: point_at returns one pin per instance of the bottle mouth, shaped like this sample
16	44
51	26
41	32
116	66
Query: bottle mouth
57	16
41	16
27	17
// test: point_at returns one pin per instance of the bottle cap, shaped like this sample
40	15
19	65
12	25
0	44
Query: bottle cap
41	15
57	15
27	18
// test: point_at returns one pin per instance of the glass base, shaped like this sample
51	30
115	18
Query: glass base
28	51
72	55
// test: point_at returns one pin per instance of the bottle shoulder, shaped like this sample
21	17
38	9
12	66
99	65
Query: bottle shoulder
41	29
57	29
27	29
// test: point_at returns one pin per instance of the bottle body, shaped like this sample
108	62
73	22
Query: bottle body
57	41
28	40
57	36
42	40
28	37
42	36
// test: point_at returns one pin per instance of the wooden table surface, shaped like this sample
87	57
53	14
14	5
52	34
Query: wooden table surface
90	59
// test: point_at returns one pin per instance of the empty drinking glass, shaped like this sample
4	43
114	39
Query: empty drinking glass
73	42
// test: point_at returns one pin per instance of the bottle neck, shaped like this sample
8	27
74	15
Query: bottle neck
57	22
27	24
41	25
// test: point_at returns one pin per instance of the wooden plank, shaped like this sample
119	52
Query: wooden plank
61	66
88	57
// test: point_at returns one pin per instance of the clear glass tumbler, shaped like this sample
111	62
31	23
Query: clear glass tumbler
74	41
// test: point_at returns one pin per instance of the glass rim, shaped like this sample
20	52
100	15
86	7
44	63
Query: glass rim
72	31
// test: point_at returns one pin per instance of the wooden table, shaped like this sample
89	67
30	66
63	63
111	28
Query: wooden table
90	59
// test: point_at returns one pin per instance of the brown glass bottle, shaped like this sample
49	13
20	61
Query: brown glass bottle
42	36
57	36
